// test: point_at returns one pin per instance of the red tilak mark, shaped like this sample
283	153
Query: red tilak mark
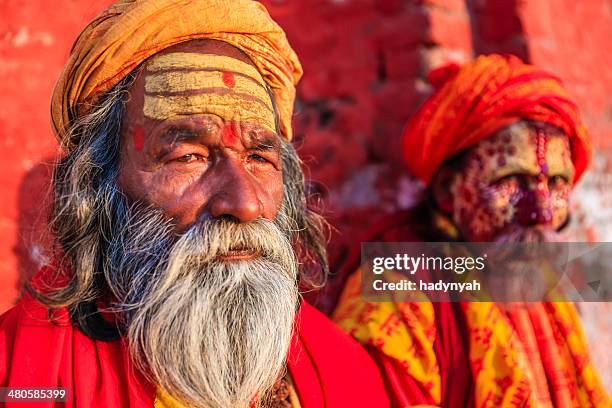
230	138
541	143
228	79
138	136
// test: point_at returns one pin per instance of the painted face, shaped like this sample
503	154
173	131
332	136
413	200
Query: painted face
517	180
199	137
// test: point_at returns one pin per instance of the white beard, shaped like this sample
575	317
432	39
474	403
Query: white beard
214	334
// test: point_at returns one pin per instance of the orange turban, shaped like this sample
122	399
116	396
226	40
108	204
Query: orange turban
475	101
130	31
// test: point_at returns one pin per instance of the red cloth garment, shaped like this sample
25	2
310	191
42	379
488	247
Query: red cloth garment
328	368
38	352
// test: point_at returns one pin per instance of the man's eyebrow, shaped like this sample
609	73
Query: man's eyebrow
265	146
265	143
176	134
514	167
561	170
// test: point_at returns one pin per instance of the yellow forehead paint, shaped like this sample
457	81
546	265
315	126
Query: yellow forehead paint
229	107
190	60
189	83
178	82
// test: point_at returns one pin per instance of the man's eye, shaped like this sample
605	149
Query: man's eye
558	181
258	158
509	179
190	158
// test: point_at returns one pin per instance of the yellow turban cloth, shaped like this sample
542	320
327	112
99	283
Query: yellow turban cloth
131	31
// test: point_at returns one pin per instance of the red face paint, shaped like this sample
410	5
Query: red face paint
138	136
541	150
230	138
229	80
486	206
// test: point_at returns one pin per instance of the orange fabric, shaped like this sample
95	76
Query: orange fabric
507	369
480	98
130	31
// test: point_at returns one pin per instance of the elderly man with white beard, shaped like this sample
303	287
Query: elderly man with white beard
181	226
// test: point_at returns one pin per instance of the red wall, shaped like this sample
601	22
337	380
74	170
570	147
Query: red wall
364	62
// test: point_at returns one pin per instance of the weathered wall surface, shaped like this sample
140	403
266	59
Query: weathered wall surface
35	40
365	62
365	66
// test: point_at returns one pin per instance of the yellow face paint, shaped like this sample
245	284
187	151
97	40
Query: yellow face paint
175	82
230	107
190	83
194	61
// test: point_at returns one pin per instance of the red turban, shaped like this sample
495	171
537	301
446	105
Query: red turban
476	100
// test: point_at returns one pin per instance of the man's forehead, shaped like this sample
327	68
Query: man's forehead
531	128
523	137
526	147
206	47
203	77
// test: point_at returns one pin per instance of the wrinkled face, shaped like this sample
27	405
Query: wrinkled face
214	271
199	137
516	181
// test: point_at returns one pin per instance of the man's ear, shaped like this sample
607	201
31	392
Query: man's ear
441	184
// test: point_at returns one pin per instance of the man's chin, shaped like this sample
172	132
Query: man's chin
528	235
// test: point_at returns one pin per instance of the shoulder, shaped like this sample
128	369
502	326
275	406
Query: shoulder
29	312
30	337
43	349
318	329
30	318
345	369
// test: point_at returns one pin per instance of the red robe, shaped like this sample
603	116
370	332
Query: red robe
328	368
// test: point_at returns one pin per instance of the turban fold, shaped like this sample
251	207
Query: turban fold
131	31
476	100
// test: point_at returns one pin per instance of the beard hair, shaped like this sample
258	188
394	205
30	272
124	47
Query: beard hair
517	234
527	268
211	333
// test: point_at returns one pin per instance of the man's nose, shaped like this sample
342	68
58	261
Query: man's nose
238	196
537	203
